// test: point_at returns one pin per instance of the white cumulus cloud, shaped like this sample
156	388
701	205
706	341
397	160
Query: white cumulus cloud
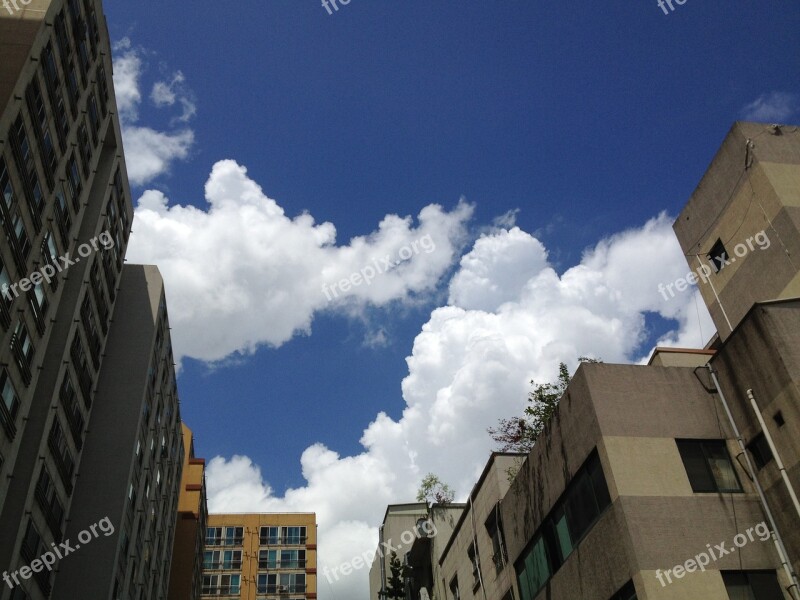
149	153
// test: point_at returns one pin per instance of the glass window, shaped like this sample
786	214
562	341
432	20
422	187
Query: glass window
752	585
759	448
708	466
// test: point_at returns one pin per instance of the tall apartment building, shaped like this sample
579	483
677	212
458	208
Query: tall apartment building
261	556
677	479
90	452
190	529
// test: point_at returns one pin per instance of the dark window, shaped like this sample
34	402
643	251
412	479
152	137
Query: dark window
582	503
627	592
9	406
23	351
759	448
718	256
269	536
472	553
752	585
708	466
494	527
779	420
454	588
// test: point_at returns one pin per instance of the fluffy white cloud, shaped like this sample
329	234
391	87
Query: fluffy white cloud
775	107
510	318
242	274
149	153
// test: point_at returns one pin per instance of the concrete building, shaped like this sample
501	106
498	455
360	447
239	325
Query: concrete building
66	215
742	224
639	486
417	533
190	528
476	556
90	440
264	556
677	479
131	467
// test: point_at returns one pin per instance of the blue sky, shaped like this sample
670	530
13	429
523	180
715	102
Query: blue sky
578	123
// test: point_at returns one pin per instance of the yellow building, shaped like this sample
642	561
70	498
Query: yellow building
261	556
190	529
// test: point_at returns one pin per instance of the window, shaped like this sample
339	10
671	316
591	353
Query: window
221	585
292	559
267	559
294	535
708	466
571	518
494	527
61	454
752	585
267	583
718	256
627	592
214	536
472	553
268	536
23	350
454	588
74	182
233	536
222	559
10	405
535	570
292	582
48	501
779	420
759	448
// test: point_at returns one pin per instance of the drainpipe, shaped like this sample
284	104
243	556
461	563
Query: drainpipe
794	587
475	546
775	454
383	593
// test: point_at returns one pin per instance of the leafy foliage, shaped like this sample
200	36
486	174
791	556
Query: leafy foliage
519	434
434	491
397	587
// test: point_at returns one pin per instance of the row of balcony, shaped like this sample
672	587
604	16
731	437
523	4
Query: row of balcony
236	565
263	541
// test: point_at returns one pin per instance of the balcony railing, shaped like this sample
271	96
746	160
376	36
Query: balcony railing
50	513
64	470
285	564
223	590
216	541
292	540
7	421
20	359
223	565
281	589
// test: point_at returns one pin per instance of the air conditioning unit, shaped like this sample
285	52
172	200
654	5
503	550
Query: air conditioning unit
283	589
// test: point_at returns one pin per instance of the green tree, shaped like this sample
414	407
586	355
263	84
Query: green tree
519	434
434	491
397	586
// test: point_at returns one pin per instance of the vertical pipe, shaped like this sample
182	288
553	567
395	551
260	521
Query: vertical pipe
794	587
775	454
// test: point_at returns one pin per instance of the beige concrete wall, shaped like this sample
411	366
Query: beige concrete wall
734	203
